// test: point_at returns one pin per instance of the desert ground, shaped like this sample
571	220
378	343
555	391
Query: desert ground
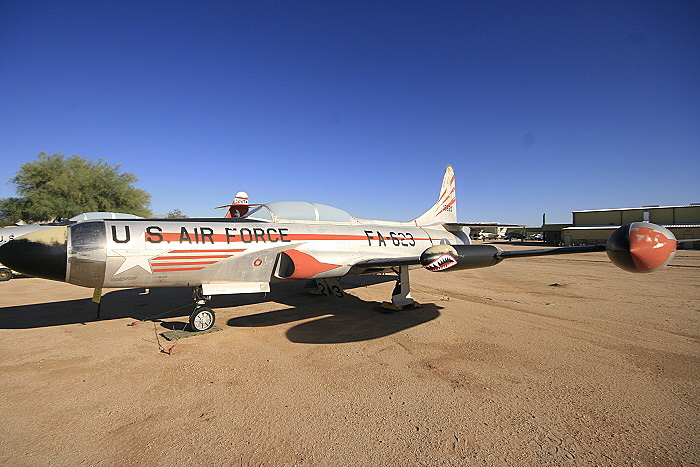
541	361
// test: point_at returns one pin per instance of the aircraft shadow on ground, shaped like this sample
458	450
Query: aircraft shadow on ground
325	319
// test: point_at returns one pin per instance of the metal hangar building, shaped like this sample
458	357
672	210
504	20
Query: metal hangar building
595	226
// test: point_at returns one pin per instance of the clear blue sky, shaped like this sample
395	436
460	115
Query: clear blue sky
539	106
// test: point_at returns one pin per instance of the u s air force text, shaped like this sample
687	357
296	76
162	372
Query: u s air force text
200	235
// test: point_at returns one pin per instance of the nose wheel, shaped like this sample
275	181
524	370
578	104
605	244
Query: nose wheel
202	319
5	274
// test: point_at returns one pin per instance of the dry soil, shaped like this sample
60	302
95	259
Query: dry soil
552	360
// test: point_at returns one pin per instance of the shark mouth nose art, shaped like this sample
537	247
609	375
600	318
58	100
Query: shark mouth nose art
442	262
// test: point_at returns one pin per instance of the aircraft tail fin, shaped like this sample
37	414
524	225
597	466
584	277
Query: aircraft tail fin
445	209
239	207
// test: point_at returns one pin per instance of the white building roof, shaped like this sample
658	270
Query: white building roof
640	207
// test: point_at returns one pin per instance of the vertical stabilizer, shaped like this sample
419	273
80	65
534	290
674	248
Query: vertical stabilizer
239	207
445	210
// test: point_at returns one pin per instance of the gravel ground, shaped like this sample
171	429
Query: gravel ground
550	360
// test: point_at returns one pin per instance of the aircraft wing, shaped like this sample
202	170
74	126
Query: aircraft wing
388	262
635	247
415	260
550	251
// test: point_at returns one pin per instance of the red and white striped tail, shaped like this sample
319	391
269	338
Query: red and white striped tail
445	210
239	207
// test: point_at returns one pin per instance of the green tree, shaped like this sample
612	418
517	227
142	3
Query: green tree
175	214
55	186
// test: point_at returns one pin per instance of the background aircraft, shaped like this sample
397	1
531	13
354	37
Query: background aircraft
285	241
483	235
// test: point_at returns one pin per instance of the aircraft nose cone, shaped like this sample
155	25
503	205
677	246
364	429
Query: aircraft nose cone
41	254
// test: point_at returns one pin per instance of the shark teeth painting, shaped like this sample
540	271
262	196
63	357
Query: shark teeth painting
443	262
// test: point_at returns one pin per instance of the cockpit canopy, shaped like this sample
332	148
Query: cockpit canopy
298	211
102	215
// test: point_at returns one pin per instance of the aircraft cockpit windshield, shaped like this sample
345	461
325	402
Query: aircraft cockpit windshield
298	211
102	216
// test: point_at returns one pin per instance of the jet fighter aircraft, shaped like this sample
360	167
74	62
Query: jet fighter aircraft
286	241
483	235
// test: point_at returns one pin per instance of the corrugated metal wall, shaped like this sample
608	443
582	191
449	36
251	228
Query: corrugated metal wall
582	219
573	236
661	215
687	215
635	215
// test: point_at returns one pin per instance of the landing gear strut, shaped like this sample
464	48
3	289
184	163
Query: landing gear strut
202	318
401	296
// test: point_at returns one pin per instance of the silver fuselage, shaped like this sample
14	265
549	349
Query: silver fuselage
242	256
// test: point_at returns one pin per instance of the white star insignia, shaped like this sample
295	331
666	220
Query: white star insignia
137	258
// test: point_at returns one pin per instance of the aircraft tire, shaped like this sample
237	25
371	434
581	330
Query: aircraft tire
202	319
5	274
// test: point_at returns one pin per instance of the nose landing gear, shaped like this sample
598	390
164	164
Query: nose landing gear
202	318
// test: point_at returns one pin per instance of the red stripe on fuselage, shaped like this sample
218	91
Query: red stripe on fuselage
324	237
337	237
160	258
223	239
177	269
180	263
232	250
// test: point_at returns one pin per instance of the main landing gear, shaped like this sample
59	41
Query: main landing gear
401	296
202	318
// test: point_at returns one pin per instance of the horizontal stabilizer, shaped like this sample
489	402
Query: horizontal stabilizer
226	206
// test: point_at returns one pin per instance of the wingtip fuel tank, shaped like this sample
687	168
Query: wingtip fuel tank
641	247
